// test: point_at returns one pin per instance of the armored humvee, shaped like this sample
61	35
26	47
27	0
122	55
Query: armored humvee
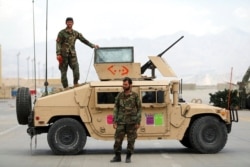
69	116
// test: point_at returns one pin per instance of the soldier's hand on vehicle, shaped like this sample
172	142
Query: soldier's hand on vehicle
96	46
114	125
59	58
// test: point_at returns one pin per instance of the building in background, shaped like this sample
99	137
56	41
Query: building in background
5	92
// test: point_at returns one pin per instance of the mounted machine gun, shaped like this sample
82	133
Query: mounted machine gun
151	64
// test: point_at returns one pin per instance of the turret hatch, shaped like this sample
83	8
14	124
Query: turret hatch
162	66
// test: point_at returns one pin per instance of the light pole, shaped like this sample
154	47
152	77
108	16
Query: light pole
18	54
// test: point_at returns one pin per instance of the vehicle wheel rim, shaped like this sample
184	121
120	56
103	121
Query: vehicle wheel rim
209	135
66	136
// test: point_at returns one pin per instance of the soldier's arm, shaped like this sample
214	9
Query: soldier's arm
115	111
84	40
138	104
59	44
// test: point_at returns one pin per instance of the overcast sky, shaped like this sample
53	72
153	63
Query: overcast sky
107	19
98	19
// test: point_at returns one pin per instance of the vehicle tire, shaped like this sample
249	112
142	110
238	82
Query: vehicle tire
23	105
186	142
66	137
208	135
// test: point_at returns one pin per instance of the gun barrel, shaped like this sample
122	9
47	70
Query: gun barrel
149	63
170	46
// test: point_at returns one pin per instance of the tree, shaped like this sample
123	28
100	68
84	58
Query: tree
220	98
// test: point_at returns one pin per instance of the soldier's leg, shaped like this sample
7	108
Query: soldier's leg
119	136
63	68
75	68
131	136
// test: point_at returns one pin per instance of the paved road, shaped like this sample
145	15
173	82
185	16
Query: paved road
15	149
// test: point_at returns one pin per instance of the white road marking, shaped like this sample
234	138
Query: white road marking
9	130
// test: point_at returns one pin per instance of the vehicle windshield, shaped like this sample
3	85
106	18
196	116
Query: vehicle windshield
114	55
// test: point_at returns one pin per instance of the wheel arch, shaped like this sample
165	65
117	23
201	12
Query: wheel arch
197	116
194	117
78	118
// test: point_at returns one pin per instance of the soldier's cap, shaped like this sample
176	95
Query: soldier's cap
69	19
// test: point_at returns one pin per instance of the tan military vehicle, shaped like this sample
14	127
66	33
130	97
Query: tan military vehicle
71	115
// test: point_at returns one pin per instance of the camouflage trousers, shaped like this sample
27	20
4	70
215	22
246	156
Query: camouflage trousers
72	62
122	130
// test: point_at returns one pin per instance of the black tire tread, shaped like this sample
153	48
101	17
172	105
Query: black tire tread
61	149
23	105
196	138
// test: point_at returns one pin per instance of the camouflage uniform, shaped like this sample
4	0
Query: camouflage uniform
65	46
127	113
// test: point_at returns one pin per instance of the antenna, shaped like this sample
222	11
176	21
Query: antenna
34	45
230	87
46	56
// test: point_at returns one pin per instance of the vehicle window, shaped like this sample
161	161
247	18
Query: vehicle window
148	96
152	96
106	97
114	55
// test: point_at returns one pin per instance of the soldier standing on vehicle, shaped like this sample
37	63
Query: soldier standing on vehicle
66	54
127	118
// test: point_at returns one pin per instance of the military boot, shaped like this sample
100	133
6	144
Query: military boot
117	158
128	158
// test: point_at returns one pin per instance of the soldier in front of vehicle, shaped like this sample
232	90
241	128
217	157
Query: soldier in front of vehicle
127	118
66	54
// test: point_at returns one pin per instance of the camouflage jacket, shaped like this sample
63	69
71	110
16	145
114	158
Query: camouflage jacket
65	42
127	109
